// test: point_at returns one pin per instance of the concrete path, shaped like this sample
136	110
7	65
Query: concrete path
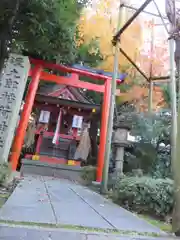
53	201
34	233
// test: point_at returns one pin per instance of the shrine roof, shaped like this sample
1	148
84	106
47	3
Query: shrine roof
120	76
41	98
78	94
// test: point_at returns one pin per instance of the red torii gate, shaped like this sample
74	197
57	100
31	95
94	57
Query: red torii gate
36	73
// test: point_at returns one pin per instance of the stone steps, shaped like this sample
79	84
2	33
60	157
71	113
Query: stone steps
72	173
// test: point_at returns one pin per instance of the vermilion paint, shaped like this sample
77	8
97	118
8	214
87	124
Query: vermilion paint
37	73
26	112
103	131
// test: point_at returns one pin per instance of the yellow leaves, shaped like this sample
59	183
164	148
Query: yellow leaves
101	24
139	95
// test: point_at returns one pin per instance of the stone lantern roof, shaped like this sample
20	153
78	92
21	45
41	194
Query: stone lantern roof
122	125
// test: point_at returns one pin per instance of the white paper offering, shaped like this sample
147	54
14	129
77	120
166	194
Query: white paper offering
56	135
44	116
77	121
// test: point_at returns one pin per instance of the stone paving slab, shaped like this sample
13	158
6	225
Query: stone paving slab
28	192
29	203
22	233
32	233
38	214
57	201
70	209
120	218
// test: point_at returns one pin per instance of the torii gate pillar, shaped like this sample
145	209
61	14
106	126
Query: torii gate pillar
103	132
26	112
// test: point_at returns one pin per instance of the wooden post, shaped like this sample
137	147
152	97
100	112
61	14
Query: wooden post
178	72
112	105
150	95
23	123
75	132
173	101
175	137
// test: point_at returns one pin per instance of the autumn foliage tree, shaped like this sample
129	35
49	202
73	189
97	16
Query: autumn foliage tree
99	23
154	51
152	58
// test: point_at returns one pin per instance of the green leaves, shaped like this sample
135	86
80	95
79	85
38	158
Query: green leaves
88	174
49	29
151	131
4	172
89	53
145	195
45	28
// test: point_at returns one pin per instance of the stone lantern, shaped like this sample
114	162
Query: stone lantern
120	141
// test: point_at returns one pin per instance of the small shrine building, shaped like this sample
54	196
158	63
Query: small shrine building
64	113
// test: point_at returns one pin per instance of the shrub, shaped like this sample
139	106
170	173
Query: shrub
4	173
145	195
88	174
162	166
